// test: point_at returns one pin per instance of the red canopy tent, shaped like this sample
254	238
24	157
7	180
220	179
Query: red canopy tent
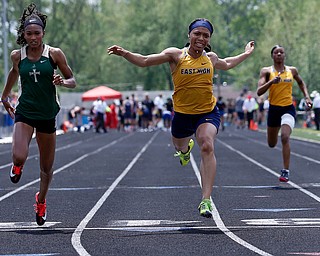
104	92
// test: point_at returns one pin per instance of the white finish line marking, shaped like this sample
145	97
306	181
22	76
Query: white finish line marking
23	225
132	223
153	229
286	222
275	210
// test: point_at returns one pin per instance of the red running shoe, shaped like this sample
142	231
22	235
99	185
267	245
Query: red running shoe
15	173
41	211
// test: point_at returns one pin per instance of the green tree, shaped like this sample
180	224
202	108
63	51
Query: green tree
83	29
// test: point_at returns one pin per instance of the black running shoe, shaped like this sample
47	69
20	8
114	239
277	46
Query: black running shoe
284	177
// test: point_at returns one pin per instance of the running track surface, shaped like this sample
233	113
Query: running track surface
125	194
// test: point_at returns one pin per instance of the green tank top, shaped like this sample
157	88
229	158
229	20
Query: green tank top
37	94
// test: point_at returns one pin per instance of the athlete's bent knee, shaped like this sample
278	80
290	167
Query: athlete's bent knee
207	146
285	138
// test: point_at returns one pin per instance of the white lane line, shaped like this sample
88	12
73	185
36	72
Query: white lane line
315	197
304	253
217	219
63	167
76	236
5	152
37	155
280	149
306	157
45	254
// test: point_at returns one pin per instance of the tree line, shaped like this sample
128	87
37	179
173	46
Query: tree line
84	29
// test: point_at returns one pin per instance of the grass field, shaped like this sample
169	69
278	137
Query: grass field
302	133
306	133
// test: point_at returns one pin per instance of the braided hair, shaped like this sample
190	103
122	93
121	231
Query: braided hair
30	11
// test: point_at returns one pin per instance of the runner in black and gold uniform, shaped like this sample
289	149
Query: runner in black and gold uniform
195	110
35	64
279	79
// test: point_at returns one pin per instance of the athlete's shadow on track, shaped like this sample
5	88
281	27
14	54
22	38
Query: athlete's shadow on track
182	231
43	231
283	188
287	187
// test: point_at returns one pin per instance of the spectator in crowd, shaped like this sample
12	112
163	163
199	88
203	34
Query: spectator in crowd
148	107
128	109
159	105
261	110
221	106
99	108
316	109
167	114
231	117
120	126
239	111
113	116
134	103
249	106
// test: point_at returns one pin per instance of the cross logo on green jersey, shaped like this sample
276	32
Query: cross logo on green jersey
34	73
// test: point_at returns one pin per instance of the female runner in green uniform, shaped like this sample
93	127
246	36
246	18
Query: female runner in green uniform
195	110
35	64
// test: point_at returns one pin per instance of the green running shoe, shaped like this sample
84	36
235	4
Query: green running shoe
205	208
185	157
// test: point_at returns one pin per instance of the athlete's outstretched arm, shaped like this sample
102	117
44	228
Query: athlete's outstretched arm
230	62
143	60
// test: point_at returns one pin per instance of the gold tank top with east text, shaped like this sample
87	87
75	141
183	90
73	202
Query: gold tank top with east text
193	88
281	94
